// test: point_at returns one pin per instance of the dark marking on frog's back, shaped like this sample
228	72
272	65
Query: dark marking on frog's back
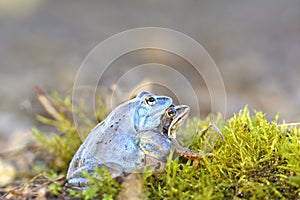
99	142
108	141
76	163
158	165
126	147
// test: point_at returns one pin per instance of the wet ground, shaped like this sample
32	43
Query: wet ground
255	45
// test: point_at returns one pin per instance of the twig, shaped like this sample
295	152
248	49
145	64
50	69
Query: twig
54	109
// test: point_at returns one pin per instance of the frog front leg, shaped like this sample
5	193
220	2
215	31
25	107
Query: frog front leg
188	153
156	148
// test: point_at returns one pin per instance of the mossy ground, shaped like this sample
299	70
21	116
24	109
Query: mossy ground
259	159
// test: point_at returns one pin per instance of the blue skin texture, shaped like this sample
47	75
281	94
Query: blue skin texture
127	141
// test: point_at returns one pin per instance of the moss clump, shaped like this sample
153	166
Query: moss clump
258	159
64	142
107	187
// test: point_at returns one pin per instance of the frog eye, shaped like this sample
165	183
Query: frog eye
171	113
151	101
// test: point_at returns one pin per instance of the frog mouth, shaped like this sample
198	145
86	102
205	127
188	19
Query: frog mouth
173	118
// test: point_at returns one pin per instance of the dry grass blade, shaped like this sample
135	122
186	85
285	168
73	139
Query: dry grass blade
36	188
52	107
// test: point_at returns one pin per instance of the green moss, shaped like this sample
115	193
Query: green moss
65	141
257	159
106	186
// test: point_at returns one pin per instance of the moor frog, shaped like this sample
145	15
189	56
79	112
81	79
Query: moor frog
139	133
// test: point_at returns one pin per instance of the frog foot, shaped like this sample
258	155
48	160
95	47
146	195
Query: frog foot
78	181
188	153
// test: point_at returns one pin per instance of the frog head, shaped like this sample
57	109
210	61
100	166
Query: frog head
173	118
149	110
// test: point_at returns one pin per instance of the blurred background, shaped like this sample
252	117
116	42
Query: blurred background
255	44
